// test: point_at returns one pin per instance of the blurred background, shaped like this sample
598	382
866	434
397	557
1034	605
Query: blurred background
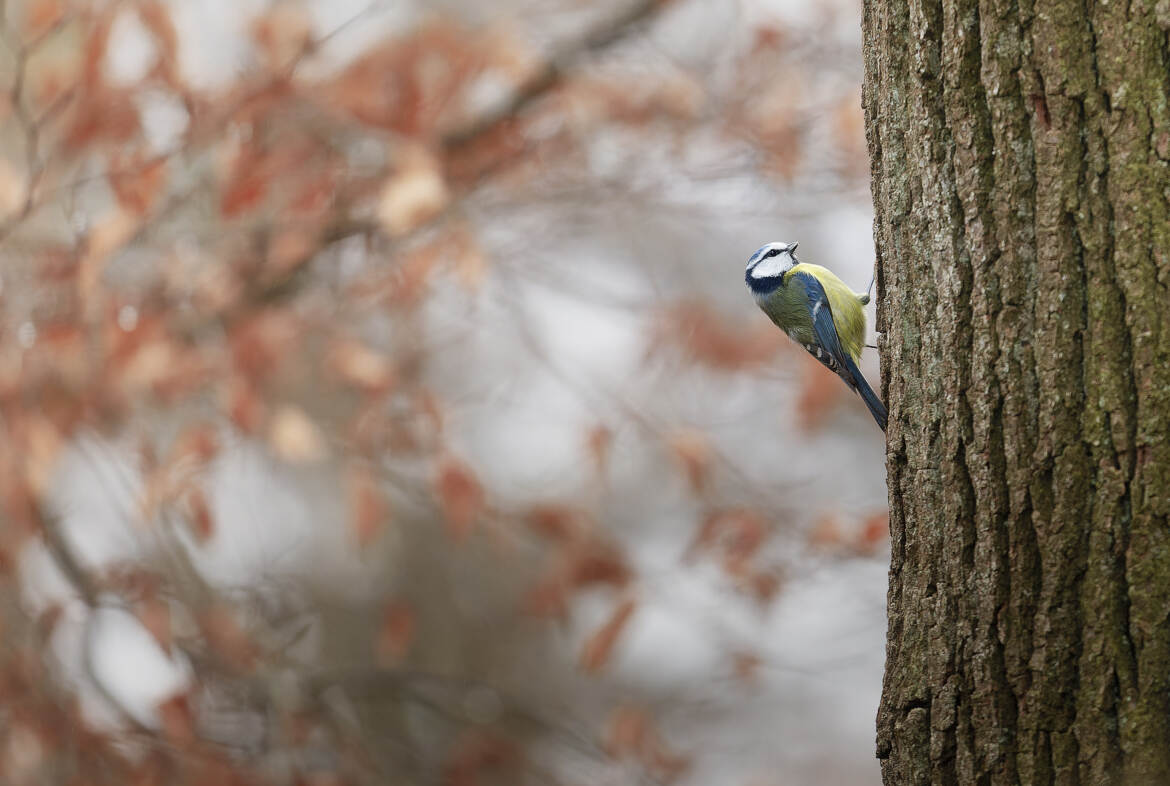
382	402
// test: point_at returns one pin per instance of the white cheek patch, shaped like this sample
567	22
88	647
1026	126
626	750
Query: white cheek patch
770	267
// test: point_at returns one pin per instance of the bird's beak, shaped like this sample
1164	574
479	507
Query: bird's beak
792	247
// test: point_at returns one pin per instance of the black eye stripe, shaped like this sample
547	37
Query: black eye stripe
772	253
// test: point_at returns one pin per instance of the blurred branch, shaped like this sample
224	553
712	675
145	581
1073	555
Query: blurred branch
550	75
30	126
444	695
63	556
67	561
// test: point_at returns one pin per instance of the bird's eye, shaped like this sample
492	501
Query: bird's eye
774	252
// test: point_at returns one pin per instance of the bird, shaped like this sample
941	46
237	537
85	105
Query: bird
817	310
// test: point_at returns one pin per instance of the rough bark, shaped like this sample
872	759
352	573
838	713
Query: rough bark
1021	177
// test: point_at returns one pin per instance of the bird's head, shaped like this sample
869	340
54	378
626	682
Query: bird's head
767	266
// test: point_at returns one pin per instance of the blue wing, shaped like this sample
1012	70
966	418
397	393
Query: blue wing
827	347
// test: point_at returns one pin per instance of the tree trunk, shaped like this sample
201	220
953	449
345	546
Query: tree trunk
1022	186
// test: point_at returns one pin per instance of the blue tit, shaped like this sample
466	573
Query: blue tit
817	310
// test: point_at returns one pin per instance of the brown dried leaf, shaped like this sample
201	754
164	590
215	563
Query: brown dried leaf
679	96
499	151
133	582
636	103
746	666
632	735
198	443
96	42
289	248
875	531
361	366
599	647
626	732
294	437
764	585
368	510
19	505
580	562
41	444
556	522
314	196
768	36
108	235
63	340
102	114
461	496
548	599
412	197
598	442
262	343
693	451
244	405
509	54
247	183
47	621
470	263
40	16
202	522
665	763
155	615
50	86
375	89
137	180
405	85
157	19
25	753
409	280
283	34
826	531
737	532
12	189
596	563
177	720
57	265
250	171
396	633
150	366
214	289
480	752
226	638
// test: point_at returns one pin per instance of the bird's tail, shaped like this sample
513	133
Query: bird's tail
875	405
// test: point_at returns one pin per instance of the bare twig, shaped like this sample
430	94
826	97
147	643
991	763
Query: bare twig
67	562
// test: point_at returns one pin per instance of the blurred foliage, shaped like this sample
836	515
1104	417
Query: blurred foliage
293	266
